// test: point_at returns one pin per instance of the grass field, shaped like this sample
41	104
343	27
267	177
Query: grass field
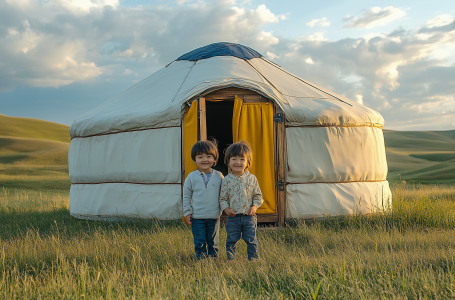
408	253
405	254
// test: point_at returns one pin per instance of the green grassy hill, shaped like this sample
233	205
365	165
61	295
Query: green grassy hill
441	173
32	151
33	128
33	154
421	156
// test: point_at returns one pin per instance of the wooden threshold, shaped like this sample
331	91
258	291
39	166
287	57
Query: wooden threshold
272	218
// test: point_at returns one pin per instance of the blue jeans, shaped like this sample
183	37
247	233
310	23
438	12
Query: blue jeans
245	227
206	236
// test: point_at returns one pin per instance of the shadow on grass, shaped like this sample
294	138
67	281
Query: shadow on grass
16	224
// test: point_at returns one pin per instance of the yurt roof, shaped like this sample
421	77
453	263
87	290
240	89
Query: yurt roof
220	49
158	100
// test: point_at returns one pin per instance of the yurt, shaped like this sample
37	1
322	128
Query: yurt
316	153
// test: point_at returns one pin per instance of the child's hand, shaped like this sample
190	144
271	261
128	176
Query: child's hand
252	210
188	219
230	212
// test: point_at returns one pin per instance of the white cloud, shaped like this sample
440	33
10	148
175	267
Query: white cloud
83	6
22	41
359	98
266	15
372	35
407	75
316	37
375	16
439	21
409	80
58	42
309	61
182	1
319	22
267	39
129	72
271	55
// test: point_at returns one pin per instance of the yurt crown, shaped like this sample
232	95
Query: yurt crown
220	49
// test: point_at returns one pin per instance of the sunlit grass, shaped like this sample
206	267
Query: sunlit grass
407	253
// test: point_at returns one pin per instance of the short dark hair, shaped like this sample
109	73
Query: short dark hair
241	149
205	147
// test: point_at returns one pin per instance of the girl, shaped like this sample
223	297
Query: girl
240	197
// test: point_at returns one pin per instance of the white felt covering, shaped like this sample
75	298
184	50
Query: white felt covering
319	200
335	154
148	156
161	201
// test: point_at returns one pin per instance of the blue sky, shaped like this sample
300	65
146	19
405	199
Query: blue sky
61	58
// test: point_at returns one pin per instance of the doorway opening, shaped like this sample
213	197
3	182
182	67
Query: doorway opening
213	117
219	128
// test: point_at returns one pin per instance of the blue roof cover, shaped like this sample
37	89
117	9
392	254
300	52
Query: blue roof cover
221	49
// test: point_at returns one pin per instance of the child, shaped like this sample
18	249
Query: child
240	197
200	199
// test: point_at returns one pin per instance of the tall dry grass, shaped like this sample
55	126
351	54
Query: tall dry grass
405	254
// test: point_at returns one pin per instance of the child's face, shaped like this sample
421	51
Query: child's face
204	162
237	164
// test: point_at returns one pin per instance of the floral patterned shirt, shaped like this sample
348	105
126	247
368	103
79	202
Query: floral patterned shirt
240	193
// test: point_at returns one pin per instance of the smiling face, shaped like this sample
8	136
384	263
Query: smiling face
204	162
237	164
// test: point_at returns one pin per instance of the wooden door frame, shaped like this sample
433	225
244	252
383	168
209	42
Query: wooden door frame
279	132
202	120
279	129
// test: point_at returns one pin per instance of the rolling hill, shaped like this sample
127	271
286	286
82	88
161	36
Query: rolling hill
33	128
421	156
441	173
33	154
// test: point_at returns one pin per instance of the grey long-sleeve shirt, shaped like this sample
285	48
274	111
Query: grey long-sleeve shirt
201	199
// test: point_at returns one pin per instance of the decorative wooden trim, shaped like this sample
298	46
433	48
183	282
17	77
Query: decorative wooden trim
268	218
132	130
144	183
298	126
202	132
246	98
182	153
281	168
228	94
276	164
336	182
272	218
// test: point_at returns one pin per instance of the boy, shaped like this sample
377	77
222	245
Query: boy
201	208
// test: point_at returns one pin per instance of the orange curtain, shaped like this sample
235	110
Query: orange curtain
189	138
253	122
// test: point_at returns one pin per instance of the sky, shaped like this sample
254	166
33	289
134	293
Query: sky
61	58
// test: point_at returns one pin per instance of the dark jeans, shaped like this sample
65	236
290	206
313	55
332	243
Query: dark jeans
206	236
245	227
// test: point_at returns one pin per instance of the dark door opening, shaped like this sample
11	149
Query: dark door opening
219	127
